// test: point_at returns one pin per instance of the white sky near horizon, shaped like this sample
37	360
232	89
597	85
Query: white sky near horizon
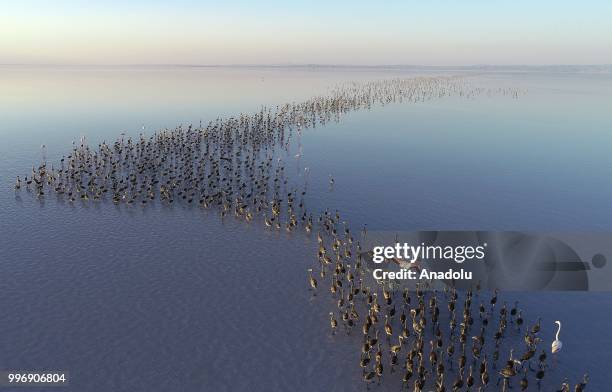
437	32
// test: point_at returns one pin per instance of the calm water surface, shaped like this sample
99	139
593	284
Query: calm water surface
131	299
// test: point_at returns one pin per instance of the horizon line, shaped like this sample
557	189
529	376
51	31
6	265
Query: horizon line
302	65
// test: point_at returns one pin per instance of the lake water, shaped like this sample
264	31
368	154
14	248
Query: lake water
175	299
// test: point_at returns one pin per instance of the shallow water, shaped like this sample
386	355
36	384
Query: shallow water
130	299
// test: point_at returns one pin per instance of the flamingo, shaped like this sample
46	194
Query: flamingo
557	344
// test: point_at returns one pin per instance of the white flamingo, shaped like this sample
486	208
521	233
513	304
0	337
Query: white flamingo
557	344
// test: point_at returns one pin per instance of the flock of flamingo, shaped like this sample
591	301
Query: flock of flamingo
424	339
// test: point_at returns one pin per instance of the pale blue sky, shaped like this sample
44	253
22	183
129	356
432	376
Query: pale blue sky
423	32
